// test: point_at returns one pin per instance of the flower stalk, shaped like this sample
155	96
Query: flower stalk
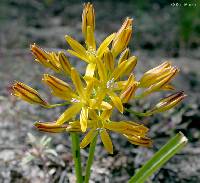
76	156
90	159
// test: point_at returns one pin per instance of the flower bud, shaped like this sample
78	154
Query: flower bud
51	127
156	74
122	37
168	102
88	18
132	61
138	140
40	54
58	87
64	63
109	60
124	55
45	58
28	94
162	83
129	92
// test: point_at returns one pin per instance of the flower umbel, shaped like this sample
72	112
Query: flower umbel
107	84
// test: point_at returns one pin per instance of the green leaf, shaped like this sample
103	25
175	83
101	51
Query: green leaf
173	146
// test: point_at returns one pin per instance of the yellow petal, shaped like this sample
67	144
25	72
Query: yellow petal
77	82
131	63
86	59
106	141
94	80
101	70
88	138
104	45
106	114
93	115
90	69
84	118
116	101
119	70
76	46
69	113
89	89
103	105
109	60
126	128
168	87
90	39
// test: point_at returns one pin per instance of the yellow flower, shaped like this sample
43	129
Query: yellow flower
90	54
134	132
28	94
81	100
108	83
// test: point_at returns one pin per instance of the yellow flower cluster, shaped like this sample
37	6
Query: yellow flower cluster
108	83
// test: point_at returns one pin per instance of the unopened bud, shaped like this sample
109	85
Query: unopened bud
128	93
109	60
132	61
47	59
51	127
122	37
124	55
156	74
28	94
88	18
65	64
58	87
156	86
168	102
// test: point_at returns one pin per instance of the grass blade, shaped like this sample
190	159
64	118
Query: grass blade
173	146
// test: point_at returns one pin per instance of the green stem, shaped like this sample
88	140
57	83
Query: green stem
138	113
76	156
173	146
90	159
57	105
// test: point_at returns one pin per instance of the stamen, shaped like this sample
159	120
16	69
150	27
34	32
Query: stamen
74	100
110	83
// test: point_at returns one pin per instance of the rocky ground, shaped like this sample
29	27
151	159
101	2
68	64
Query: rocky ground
17	118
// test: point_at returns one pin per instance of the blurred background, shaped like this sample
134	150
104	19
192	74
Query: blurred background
163	30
